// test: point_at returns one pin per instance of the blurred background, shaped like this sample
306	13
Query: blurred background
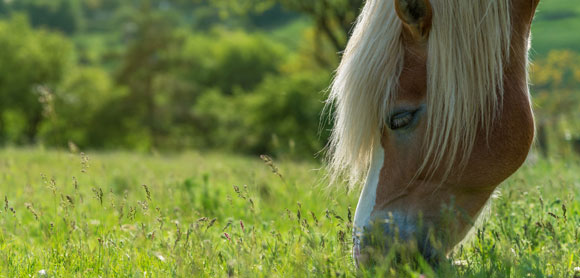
244	76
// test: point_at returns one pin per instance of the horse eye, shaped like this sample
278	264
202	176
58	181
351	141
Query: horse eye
401	120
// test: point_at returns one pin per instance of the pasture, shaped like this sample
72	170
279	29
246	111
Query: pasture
194	214
560	15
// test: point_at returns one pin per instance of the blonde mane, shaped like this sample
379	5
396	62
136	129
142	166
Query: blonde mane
467	47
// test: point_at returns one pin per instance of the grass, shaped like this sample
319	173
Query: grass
215	215
556	26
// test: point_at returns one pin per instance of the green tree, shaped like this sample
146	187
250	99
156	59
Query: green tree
281	116
63	15
333	19
556	80
77	104
228	60
142	62
32	62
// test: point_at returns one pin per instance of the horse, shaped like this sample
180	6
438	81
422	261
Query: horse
431	110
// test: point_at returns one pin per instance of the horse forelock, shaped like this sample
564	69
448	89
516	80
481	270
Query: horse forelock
466	53
365	80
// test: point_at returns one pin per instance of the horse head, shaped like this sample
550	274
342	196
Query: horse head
432	112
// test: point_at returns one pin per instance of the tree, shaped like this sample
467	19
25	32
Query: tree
32	62
63	15
555	80
142	62
333	19
77	103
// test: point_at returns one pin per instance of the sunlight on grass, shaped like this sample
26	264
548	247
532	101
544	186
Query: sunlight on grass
215	215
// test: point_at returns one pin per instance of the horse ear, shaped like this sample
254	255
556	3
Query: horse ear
416	16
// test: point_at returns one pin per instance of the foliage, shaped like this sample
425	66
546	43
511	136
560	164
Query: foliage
228	60
281	116
556	85
214	215
63	15
187	69
332	19
159	93
77	103
33	62
243	76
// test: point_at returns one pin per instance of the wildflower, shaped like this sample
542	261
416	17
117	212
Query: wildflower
460	263
160	257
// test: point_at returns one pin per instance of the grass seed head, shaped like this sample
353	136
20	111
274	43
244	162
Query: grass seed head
227	225
270	162
70	200
564	210
84	162
148	192
314	217
178	236
98	194
211	223
31	209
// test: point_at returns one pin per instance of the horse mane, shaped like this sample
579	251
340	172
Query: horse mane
467	49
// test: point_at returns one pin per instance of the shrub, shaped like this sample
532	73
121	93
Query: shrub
33	61
281	116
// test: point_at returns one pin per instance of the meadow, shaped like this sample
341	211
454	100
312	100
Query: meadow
236	84
556	26
121	214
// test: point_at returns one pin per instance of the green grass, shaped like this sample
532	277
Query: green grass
69	215
556	26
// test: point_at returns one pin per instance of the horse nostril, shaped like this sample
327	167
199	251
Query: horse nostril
376	240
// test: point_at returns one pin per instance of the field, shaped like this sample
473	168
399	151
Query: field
214	215
556	26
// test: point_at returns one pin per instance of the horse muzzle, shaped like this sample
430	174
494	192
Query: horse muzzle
373	242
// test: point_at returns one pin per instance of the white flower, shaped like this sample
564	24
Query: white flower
42	273
160	257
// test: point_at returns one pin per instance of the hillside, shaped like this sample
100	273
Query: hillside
556	26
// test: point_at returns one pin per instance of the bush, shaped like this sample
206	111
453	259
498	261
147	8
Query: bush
78	99
228	60
32	63
280	117
62	15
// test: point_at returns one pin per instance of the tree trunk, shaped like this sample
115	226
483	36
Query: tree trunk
542	138
2	129
576	145
31	132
